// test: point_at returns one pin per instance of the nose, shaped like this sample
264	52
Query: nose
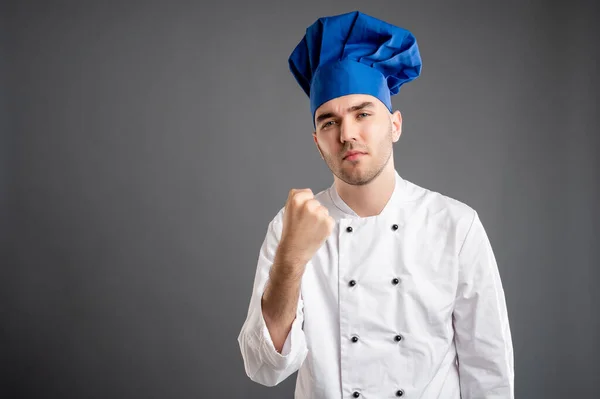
348	131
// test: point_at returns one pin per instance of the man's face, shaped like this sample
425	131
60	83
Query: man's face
355	135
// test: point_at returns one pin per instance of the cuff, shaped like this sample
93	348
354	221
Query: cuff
294	341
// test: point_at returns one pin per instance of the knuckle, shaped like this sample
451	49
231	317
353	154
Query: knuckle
309	204
323	211
301	193
298	200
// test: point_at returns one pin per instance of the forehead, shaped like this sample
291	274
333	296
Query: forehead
341	104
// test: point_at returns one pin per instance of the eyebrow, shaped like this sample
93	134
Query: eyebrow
326	115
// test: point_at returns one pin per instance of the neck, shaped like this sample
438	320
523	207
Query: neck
369	199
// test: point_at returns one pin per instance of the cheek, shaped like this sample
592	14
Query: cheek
329	146
375	131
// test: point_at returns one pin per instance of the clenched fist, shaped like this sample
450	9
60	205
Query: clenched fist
306	225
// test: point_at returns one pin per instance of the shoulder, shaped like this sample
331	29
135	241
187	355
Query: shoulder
446	211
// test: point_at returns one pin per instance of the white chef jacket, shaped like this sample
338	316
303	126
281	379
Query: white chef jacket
408	303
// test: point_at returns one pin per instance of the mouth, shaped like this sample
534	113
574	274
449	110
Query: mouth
352	155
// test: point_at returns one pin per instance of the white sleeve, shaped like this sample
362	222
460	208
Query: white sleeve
482	332
262	362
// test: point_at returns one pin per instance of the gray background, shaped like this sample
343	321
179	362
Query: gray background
145	147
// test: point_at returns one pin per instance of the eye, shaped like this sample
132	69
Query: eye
363	114
327	124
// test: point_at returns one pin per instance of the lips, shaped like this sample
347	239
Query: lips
353	154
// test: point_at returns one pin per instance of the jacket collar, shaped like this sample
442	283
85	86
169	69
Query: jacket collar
397	195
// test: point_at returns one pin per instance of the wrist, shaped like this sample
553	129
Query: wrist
290	256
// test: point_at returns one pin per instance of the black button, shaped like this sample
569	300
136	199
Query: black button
349	229
398	337
400	392
394	227
355	339
352	283
395	281
356	394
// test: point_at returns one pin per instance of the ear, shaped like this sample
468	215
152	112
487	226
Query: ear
396	119
317	144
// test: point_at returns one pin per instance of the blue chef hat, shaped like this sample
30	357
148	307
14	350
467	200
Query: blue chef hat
354	53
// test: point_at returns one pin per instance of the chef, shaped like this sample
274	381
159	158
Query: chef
374	287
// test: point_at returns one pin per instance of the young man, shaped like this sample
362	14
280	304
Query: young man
375	287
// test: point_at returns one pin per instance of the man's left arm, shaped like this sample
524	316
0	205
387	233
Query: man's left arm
482	332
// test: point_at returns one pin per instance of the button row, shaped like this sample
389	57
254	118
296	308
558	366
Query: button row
349	229
352	283
399	392
397	338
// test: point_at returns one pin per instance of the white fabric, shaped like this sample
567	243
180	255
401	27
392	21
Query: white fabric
448	306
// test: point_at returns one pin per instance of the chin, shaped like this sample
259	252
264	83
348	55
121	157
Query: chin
354	177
